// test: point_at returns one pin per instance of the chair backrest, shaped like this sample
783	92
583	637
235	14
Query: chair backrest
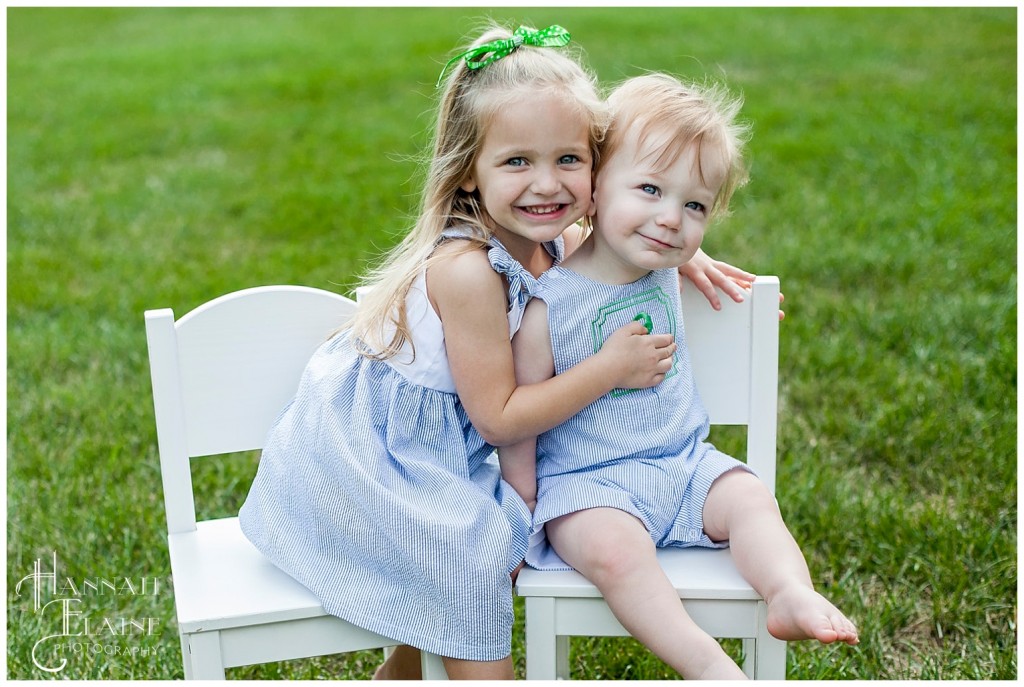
735	355
222	373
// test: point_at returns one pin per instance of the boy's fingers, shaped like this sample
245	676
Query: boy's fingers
664	341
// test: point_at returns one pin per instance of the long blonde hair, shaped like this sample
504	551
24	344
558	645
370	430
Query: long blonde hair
468	102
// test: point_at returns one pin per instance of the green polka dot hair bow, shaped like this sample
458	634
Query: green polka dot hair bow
552	37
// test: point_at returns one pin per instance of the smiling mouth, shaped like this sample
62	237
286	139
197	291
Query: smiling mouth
662	244
542	210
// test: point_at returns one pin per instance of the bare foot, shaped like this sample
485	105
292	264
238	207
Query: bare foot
801	613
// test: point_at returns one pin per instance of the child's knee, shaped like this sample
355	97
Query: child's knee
733	493
740	487
615	546
612	561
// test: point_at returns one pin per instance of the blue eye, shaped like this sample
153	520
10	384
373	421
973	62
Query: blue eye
650	189
568	159
515	161
694	205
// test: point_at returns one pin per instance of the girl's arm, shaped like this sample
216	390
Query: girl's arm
469	297
534	363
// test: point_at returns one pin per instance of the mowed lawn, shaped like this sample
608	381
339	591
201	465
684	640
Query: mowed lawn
162	157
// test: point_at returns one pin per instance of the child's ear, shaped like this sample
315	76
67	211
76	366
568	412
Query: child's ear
468	185
592	210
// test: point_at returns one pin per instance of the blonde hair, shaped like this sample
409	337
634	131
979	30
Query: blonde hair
468	102
690	113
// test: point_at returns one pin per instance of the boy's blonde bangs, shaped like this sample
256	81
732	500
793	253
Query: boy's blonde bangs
654	105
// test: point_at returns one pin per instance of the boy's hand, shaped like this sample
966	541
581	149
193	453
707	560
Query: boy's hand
636	359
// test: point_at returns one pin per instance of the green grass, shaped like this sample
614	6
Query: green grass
162	157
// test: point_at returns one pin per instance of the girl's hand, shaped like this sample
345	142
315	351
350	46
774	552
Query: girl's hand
706	273
635	359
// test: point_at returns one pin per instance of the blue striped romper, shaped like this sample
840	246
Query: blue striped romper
376	493
642	451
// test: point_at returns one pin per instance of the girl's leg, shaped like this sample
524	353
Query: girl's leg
740	509
404	664
614	551
458	669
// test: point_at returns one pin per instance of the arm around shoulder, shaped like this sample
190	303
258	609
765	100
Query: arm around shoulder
534	363
469	297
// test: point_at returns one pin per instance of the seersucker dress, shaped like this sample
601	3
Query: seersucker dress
642	451
376	493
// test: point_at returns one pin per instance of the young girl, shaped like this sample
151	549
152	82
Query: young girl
632	471
374	489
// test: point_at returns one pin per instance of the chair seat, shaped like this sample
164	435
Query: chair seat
221	581
696	573
561	604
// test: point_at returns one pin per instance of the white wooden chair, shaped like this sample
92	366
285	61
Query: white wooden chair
221	374
735	361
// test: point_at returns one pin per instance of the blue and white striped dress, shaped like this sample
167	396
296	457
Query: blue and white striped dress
642	451
376	493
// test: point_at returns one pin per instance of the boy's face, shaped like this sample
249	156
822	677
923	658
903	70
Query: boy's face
652	216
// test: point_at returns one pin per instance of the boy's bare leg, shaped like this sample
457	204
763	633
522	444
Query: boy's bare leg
740	509
614	551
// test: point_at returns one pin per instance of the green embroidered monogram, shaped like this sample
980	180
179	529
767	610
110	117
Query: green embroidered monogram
652	307
646	320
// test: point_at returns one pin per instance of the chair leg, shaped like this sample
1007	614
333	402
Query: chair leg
749	658
771	659
562	657
186	657
202	658
769	652
541	643
432	666
205	656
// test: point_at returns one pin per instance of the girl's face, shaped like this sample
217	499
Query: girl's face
533	171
